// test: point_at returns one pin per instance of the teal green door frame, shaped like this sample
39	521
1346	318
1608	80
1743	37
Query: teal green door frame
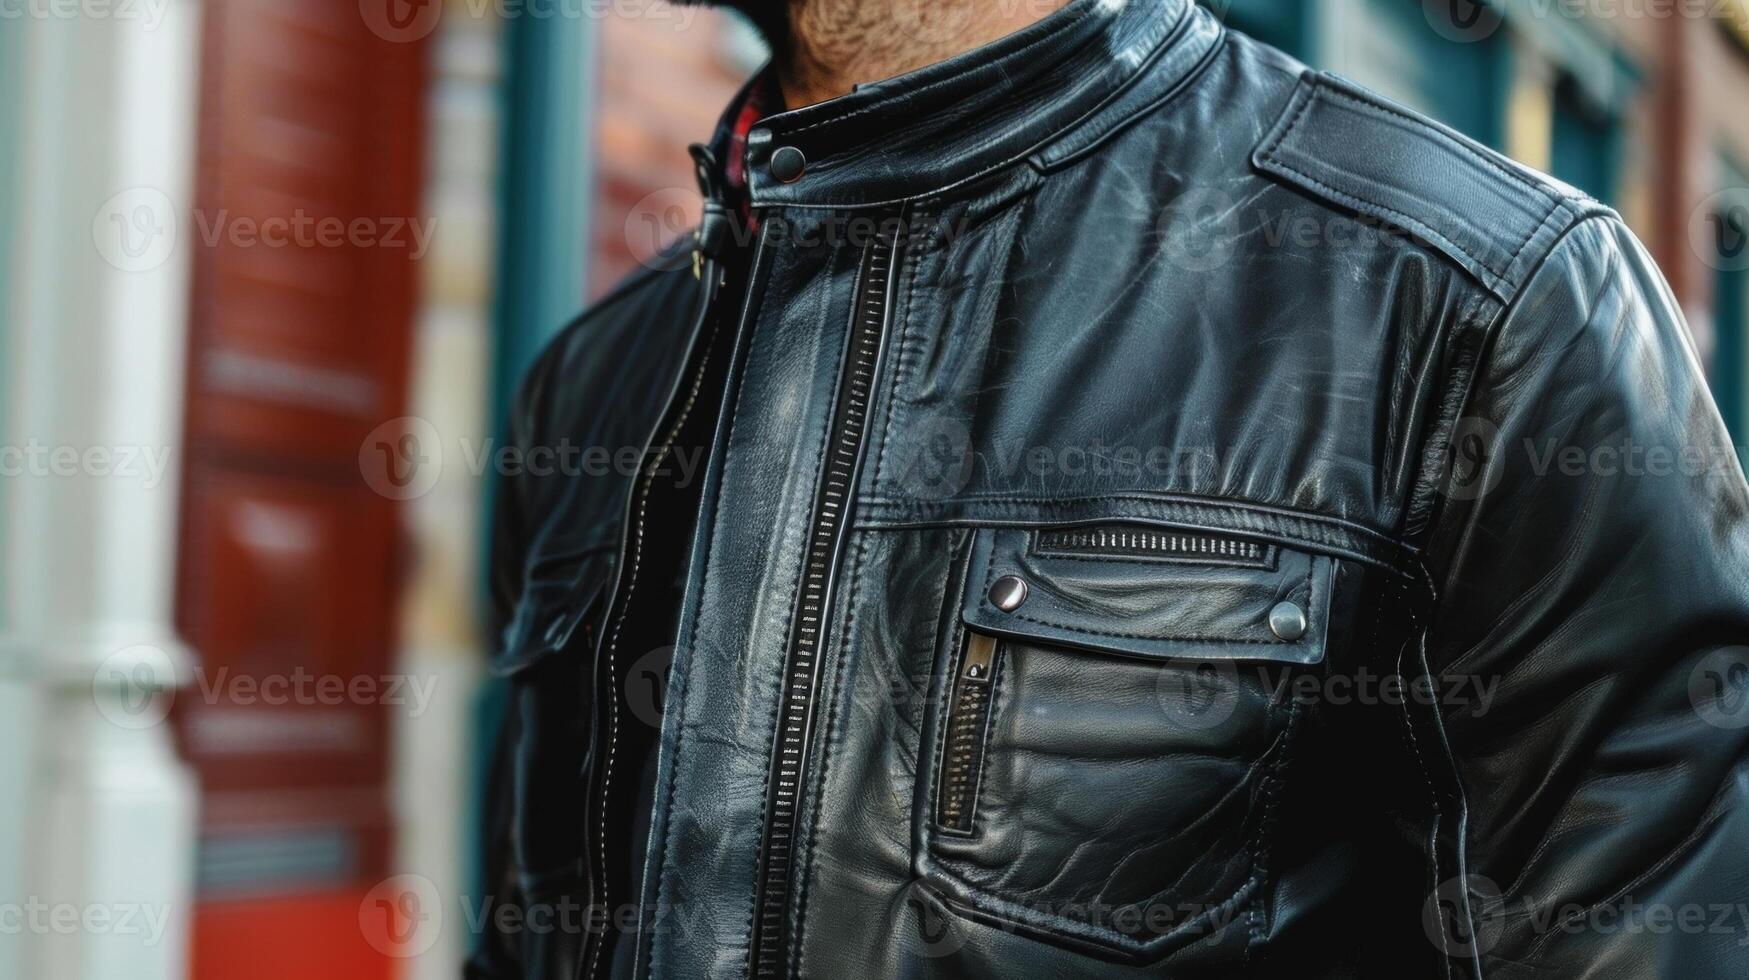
1585	148
545	188
544	191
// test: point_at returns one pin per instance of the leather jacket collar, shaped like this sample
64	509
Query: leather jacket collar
929	130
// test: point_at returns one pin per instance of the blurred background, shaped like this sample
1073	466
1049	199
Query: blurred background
268	272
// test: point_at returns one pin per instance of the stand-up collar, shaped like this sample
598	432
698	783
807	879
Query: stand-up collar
928	130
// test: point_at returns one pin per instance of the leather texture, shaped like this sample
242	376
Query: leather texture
1159	278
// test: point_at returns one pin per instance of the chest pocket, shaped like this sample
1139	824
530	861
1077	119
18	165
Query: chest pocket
1115	719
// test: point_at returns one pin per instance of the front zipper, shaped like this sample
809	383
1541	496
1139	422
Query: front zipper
709	270
843	461
968	723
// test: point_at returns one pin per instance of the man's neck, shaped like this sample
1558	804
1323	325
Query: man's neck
835	45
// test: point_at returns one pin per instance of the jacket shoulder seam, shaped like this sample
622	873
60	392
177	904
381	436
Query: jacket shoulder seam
1354	174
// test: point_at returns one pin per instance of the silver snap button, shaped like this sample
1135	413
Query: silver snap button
1288	621
1008	592
787	164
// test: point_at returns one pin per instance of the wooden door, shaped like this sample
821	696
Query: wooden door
310	154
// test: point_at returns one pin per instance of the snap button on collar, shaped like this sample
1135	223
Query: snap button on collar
788	164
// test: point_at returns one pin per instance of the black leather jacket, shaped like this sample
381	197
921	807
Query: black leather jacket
1135	507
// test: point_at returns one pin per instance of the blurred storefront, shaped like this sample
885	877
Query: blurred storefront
326	409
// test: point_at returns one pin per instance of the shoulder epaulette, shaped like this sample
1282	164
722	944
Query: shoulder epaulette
1346	145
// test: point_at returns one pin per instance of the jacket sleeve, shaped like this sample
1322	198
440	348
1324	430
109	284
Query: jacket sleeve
1590	634
533	919
495	953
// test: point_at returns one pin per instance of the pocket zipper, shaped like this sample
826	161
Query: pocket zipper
968	723
1139	543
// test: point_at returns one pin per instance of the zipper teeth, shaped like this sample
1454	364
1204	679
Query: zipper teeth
959	779
800	691
1143	541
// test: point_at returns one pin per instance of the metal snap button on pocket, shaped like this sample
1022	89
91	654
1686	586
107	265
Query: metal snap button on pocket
1288	621
1008	592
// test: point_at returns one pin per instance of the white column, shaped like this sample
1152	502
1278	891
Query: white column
97	826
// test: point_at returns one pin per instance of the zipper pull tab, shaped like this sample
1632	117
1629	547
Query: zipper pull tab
979	659
967	733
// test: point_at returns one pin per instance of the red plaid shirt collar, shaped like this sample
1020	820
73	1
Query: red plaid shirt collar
758	99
